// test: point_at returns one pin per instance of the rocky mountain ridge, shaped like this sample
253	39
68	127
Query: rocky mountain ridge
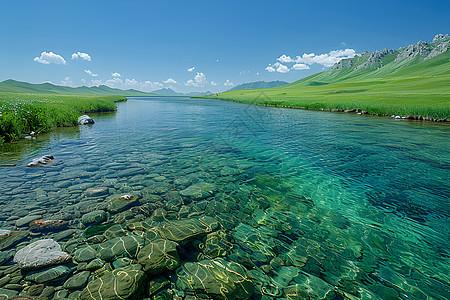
421	50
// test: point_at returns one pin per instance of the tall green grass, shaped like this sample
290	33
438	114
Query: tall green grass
25	113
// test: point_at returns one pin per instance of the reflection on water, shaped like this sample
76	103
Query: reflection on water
310	202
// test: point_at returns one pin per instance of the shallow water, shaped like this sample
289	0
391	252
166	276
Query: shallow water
364	199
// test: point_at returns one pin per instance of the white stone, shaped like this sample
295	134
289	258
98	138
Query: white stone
42	253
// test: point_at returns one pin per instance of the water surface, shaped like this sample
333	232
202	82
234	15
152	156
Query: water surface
364	199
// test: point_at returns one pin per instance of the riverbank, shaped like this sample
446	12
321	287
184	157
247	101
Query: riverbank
428	98
22	114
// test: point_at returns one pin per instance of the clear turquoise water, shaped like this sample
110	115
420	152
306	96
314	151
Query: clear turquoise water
377	189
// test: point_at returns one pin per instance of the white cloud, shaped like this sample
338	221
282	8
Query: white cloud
114	83
270	69
47	58
228	83
282	68
115	74
285	59
83	80
213	83
191	69
132	83
326	59
96	82
300	67
89	72
151	86
199	80
67	81
170	81
81	55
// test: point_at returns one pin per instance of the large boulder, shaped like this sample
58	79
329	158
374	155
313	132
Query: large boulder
94	217
85	120
119	203
124	283
218	278
40	254
158	256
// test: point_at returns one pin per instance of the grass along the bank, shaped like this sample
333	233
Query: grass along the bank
421	95
25	113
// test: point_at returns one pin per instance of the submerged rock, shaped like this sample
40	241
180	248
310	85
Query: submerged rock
85	119
218	278
127	246
182	231
52	275
42	253
159	255
41	161
48	225
94	217
119	203
27	220
123	283
12	238
199	191
78	281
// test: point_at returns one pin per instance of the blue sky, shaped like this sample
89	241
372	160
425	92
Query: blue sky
153	44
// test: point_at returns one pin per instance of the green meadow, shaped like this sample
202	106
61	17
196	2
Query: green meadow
401	88
21	114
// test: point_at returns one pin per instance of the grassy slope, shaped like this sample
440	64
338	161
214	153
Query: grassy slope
23	113
402	88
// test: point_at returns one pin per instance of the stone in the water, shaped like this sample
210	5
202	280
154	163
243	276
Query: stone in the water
94	217
4	232
52	275
124	283
122	262
85	119
12	239
119	203
217	278
78	281
199	191
126	246
85	254
7	294
96	191
216	244
42	253
27	220
182	231
48	225
41	161
158	256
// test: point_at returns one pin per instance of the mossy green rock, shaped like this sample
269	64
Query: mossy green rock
96	229
199	191
119	203
12	239
182	231
124	283
77	281
216	244
122	262
217	278
7	294
50	275
126	246
158	256
96	216
85	254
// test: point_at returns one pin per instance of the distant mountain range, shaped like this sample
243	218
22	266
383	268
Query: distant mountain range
13	86
259	85
170	92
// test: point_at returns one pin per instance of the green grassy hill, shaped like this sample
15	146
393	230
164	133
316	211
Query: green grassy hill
13	86
259	85
414	80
